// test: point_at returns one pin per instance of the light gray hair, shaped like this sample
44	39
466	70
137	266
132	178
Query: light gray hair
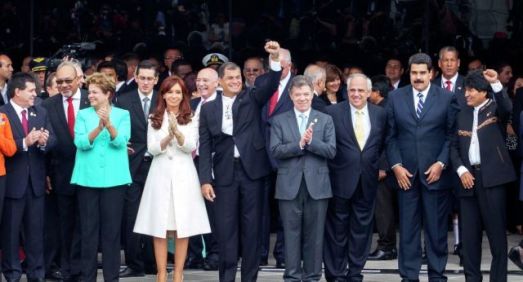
361	75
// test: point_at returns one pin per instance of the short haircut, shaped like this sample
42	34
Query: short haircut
105	65
381	84
476	80
149	65
49	80
18	81
448	49
179	62
421	58
315	73
361	75
332	73
227	66
101	80
300	81
68	64
394	58
121	69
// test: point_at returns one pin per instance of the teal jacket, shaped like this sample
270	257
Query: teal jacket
104	163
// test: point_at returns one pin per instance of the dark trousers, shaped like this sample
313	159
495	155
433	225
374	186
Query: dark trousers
385	216
25	214
68	213
303	221
485	209
237	207
419	205
139	254
2	195
52	234
348	236
196	242
101	212
270	213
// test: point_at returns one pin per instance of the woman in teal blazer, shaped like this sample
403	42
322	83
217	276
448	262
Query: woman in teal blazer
101	171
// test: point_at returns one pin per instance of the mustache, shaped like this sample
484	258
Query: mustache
418	81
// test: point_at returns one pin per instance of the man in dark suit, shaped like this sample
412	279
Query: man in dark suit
360	132
394	71
386	200
25	186
450	79
6	71
131	60
483	164
420	126
206	84
280	102
234	164
62	110
140	103
318	76
303	185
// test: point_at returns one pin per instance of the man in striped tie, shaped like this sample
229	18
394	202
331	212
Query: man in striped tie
421	123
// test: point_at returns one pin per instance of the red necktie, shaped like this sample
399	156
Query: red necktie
272	102
25	123
449	85
70	116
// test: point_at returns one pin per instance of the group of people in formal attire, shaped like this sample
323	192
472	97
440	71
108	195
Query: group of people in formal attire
157	164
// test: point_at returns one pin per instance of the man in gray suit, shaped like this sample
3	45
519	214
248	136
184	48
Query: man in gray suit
302	140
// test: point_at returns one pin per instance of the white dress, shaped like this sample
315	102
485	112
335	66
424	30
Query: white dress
171	198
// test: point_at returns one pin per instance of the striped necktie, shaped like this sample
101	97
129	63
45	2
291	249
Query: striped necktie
419	107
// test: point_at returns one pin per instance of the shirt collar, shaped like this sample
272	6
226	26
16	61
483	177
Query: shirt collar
143	95
307	113
75	96
353	109
18	108
424	92
211	98
452	79
476	108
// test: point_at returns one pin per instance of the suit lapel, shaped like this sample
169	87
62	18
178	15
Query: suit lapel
347	121
283	98
431	98
138	109
60	111
409	102
373	123
293	124
236	106
15	121
218	111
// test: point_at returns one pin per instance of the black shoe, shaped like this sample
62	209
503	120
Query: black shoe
514	256
383	254
193	263
129	272
280	264
210	265
13	280
36	280
54	275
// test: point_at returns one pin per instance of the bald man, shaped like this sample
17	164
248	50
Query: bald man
6	71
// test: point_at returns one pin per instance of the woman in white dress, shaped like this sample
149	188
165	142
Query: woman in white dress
172	202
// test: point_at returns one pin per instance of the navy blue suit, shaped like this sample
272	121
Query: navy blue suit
459	89
417	144
354	180
269	204
238	182
24	199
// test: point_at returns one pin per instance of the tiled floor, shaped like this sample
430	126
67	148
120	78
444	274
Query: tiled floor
374	271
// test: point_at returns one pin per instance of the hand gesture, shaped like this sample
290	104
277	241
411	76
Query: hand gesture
490	75
273	48
434	172
402	175
44	136
467	180
32	137
208	192
103	114
173	128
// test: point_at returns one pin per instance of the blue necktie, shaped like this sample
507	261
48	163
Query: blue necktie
303	123
419	108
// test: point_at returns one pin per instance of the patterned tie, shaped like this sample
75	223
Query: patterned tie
359	129
272	102
70	116
448	84
303	123
419	108
146	107
25	123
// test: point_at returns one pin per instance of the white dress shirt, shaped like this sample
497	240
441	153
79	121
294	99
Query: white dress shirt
474	153
416	98
3	91
452	82
283	84
227	124
366	120
199	107
76	103
150	96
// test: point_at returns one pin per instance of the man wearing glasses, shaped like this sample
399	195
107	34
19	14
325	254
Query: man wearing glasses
62	110
252	68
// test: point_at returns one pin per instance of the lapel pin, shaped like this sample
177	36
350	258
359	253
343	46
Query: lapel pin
32	114
313	123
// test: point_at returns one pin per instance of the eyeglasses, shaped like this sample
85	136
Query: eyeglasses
251	70
146	78
62	81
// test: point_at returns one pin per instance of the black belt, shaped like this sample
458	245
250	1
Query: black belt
147	158
476	167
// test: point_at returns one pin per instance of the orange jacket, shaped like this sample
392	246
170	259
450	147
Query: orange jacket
7	143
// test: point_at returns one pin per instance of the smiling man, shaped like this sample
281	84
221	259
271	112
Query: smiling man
420	127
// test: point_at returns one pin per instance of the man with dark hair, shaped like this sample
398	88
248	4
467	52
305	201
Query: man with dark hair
25	183
140	103
121	74
394	71
450	79
6	71
481	160
181	68
131	60
234	163
420	127
107	68
386	199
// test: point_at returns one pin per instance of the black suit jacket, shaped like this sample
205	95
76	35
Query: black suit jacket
28	165
459	90
496	165
351	164
138	141
217	149
61	157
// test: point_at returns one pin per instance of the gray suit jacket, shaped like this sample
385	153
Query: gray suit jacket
309	163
